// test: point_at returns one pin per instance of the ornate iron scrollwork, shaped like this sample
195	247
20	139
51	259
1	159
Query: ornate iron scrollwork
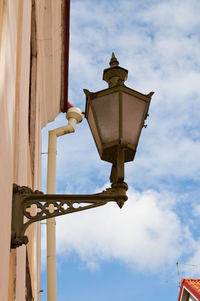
25	198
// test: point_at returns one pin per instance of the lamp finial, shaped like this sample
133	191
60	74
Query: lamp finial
115	75
113	61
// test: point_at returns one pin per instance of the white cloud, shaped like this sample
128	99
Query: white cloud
196	210
168	15
191	268
146	233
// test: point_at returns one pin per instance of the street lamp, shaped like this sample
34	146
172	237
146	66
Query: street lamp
116	117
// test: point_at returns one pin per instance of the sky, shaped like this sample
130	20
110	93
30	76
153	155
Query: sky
131	253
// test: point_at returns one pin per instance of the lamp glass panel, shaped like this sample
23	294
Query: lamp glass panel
107	114
133	117
93	127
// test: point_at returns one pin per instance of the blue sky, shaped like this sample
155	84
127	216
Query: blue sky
108	253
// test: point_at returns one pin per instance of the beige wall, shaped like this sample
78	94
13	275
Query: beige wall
7	109
49	44
14	144
19	159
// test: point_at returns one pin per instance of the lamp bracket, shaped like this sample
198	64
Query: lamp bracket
117	170
31	206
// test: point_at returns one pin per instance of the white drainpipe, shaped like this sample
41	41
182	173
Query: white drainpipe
74	116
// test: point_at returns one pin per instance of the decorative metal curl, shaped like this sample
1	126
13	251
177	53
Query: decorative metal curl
24	198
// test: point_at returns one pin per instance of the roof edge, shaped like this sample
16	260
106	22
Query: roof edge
65	55
190	288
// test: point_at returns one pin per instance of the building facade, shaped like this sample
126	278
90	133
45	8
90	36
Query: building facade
34	47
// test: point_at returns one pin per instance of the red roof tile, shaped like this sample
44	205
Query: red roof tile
192	285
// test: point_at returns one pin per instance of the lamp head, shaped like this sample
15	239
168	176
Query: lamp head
116	115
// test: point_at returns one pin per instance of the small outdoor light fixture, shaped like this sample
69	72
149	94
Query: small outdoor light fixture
116	116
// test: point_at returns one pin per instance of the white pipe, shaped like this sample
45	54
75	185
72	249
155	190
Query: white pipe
74	116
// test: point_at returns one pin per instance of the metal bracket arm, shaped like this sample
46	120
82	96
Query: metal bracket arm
31	206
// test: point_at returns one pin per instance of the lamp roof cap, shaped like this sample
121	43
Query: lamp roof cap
113	61
115	75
